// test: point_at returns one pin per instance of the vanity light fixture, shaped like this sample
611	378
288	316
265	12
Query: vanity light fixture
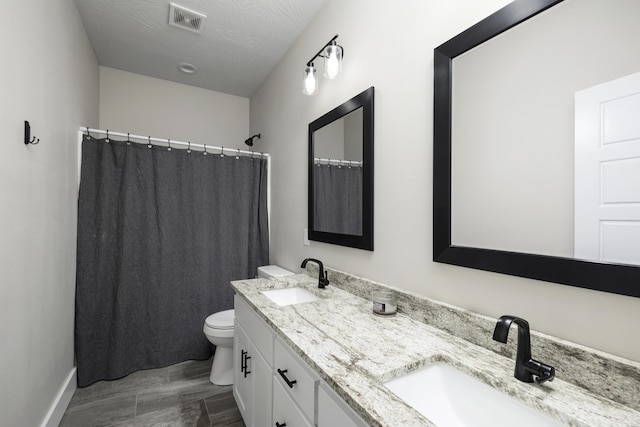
332	54
310	83
332	60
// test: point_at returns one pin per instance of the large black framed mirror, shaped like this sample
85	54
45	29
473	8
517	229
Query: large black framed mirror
340	194
619	278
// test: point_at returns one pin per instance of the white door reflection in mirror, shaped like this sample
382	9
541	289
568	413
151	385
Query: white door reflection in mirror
607	172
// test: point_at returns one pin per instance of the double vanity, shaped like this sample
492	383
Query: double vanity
309	356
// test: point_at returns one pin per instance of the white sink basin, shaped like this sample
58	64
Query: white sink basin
289	296
451	398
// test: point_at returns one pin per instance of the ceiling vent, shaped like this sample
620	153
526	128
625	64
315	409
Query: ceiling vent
186	19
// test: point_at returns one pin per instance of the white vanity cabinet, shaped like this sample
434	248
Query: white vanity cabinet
273	386
252	366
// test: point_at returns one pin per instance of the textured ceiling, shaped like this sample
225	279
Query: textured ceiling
241	42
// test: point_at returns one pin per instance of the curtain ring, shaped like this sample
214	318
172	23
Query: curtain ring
169	147
222	152
238	154
149	142
107	135
188	147
205	150
128	139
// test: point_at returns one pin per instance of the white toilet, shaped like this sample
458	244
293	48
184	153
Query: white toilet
218	328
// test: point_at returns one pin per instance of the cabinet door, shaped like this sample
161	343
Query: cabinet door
260	334
243	380
263	395
333	411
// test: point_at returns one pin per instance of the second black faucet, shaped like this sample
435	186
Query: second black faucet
527	369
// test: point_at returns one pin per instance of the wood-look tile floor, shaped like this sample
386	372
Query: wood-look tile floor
178	395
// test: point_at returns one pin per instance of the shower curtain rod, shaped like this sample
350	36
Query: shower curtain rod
173	142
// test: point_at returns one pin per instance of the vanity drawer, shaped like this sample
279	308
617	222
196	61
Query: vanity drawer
333	411
260	334
285	411
296	378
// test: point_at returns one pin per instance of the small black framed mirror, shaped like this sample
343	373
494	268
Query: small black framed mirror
340	195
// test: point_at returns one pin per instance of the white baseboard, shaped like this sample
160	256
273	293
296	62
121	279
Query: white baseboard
56	412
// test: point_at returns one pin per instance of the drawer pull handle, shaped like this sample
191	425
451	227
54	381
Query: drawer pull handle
286	380
281	425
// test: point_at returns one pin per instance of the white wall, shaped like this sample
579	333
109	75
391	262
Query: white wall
148	106
49	76
390	45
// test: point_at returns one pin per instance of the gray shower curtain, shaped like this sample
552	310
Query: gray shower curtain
160	235
338	199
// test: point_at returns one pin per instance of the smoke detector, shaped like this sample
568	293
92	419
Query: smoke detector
186	19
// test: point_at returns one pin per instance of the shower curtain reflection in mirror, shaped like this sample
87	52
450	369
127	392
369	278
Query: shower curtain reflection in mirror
338	199
160	235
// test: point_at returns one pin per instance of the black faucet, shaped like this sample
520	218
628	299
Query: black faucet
526	367
323	278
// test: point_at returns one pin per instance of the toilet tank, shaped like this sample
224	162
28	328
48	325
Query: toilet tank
273	272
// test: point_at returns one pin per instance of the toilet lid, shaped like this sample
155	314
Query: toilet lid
221	320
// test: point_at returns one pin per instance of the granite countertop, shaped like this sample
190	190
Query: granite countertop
355	352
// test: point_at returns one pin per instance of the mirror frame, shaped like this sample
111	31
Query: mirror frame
363	100
613	278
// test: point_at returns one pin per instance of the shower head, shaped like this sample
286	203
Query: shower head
249	141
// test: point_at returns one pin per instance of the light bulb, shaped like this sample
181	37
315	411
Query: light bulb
310	83
333	61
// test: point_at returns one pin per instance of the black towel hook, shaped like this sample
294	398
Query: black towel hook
27	135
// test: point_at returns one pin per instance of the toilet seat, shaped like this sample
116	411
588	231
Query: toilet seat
221	320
